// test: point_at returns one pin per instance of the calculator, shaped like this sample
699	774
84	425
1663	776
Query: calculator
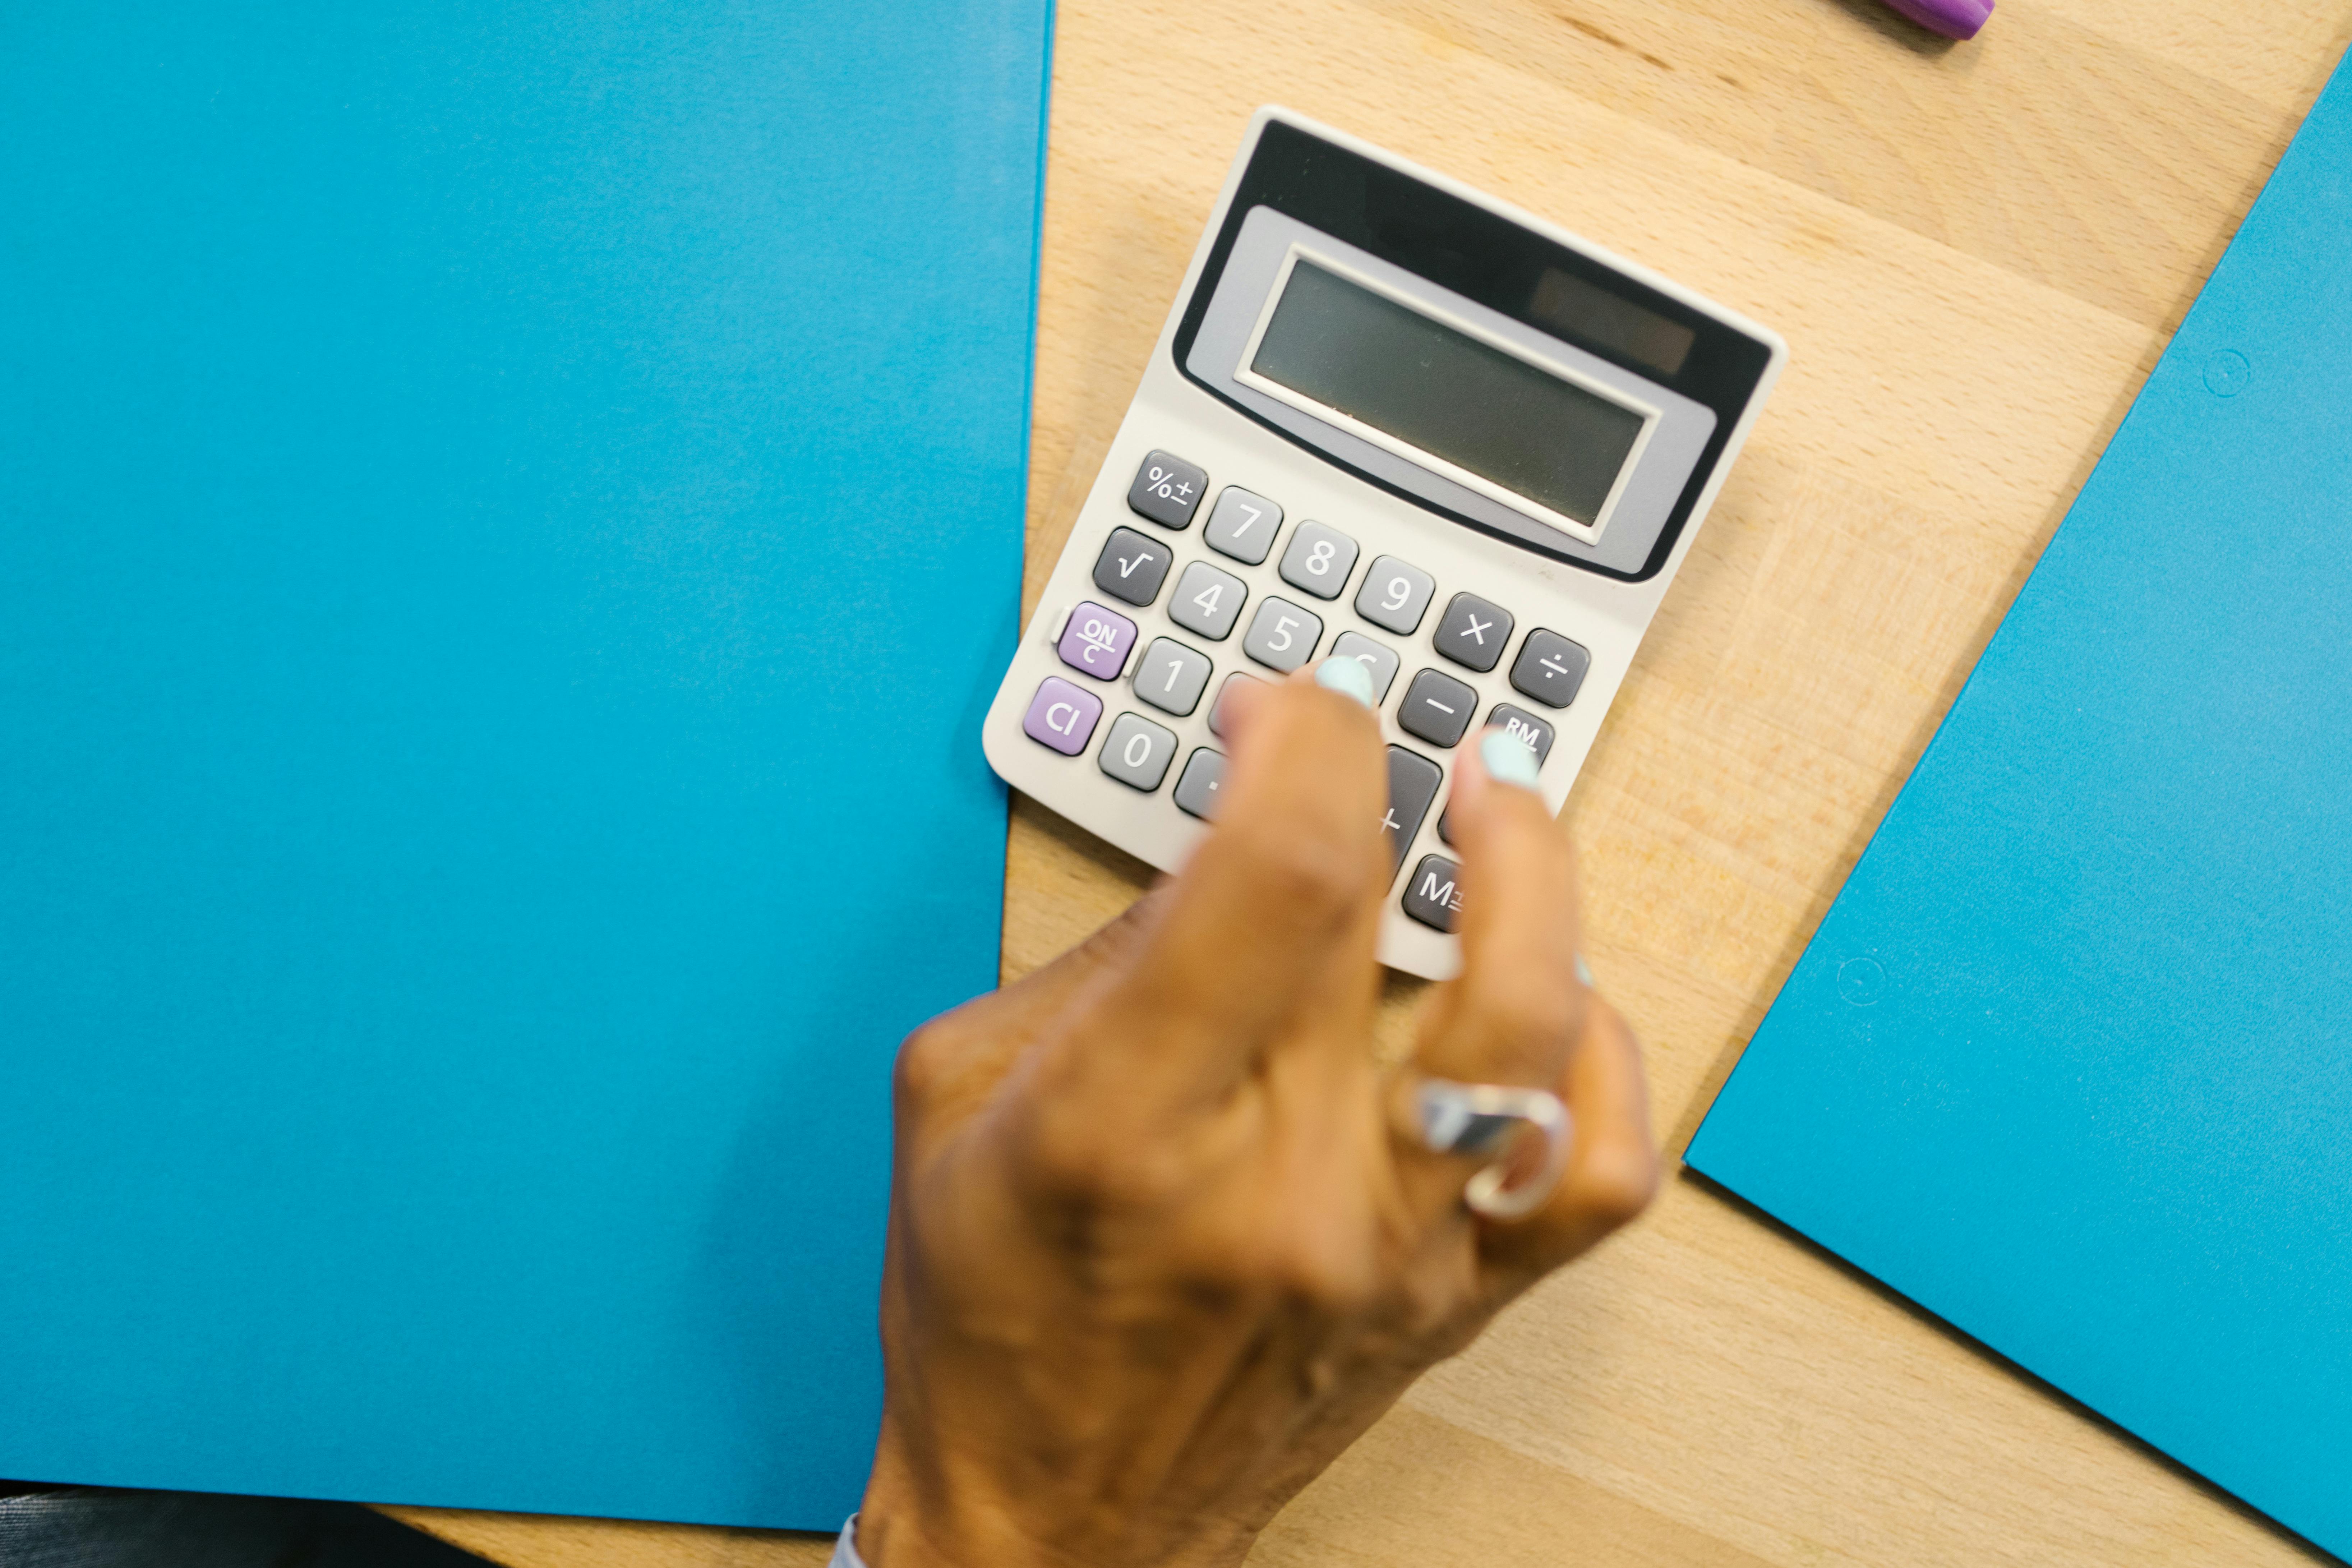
1388	419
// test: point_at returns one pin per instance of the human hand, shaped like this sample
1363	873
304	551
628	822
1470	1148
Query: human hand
1162	1240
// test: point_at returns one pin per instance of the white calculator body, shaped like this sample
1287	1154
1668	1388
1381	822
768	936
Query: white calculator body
1392	419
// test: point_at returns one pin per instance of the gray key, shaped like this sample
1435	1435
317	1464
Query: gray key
1132	566
1474	631
1138	751
1437	708
1167	489
1207	601
1172	676
1242	525
1412	785
1281	635
1381	661
1522	726
1395	595
1550	669
1319	560
1431	894
1217	709
1196	790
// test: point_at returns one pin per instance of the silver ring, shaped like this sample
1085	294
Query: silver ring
1475	1119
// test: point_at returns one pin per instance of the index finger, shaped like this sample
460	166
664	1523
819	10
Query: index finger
1274	921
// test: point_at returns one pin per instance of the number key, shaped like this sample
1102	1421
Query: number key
1207	601
1281	636
1395	595
1242	525
1319	560
1171	676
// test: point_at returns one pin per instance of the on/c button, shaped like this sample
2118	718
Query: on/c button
1062	716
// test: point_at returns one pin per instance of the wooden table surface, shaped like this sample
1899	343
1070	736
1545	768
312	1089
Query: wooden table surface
1976	252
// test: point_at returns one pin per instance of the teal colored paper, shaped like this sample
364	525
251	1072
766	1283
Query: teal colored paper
509	518
2070	1060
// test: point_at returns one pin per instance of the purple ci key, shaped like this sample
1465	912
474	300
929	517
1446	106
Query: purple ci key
1062	716
1096	641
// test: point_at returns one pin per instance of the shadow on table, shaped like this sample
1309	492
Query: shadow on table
84	1528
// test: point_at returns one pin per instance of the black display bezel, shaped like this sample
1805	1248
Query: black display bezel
1482	256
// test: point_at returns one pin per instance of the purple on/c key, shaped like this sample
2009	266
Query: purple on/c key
1096	641
1062	716
1961	19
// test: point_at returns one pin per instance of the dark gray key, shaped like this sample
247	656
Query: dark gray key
1242	525
1395	595
1517	721
1430	895
1522	726
1381	661
1281	636
1437	708
1217	709
1550	667
1171	676
1412	785
1207	601
1319	560
1138	751
1474	631
1196	791
1167	489
1132	566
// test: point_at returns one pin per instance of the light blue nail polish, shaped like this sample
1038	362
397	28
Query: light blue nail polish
1583	972
1348	678
1507	759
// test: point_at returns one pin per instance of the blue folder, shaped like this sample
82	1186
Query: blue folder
2069	1062
511	517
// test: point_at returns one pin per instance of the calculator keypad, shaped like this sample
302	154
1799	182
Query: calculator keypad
1473	632
1132	566
1282	634
1550	667
1171	676
1136	752
1395	595
1062	716
1437	708
1318	561
1096	640
1242	525
1167	489
1207	601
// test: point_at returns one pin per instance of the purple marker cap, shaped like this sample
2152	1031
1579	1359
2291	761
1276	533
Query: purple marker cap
1953	18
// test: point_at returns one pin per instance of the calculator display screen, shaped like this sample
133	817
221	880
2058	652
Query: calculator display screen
1400	372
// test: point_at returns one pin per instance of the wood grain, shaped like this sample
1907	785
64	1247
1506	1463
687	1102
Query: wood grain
1976	252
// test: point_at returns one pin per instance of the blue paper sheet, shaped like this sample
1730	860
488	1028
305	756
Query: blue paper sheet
509	518
2070	1060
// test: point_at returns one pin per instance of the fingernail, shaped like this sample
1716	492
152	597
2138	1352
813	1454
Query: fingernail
1583	972
1508	759
1347	676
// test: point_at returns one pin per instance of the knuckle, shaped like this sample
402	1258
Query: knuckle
1617	1182
925	1063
